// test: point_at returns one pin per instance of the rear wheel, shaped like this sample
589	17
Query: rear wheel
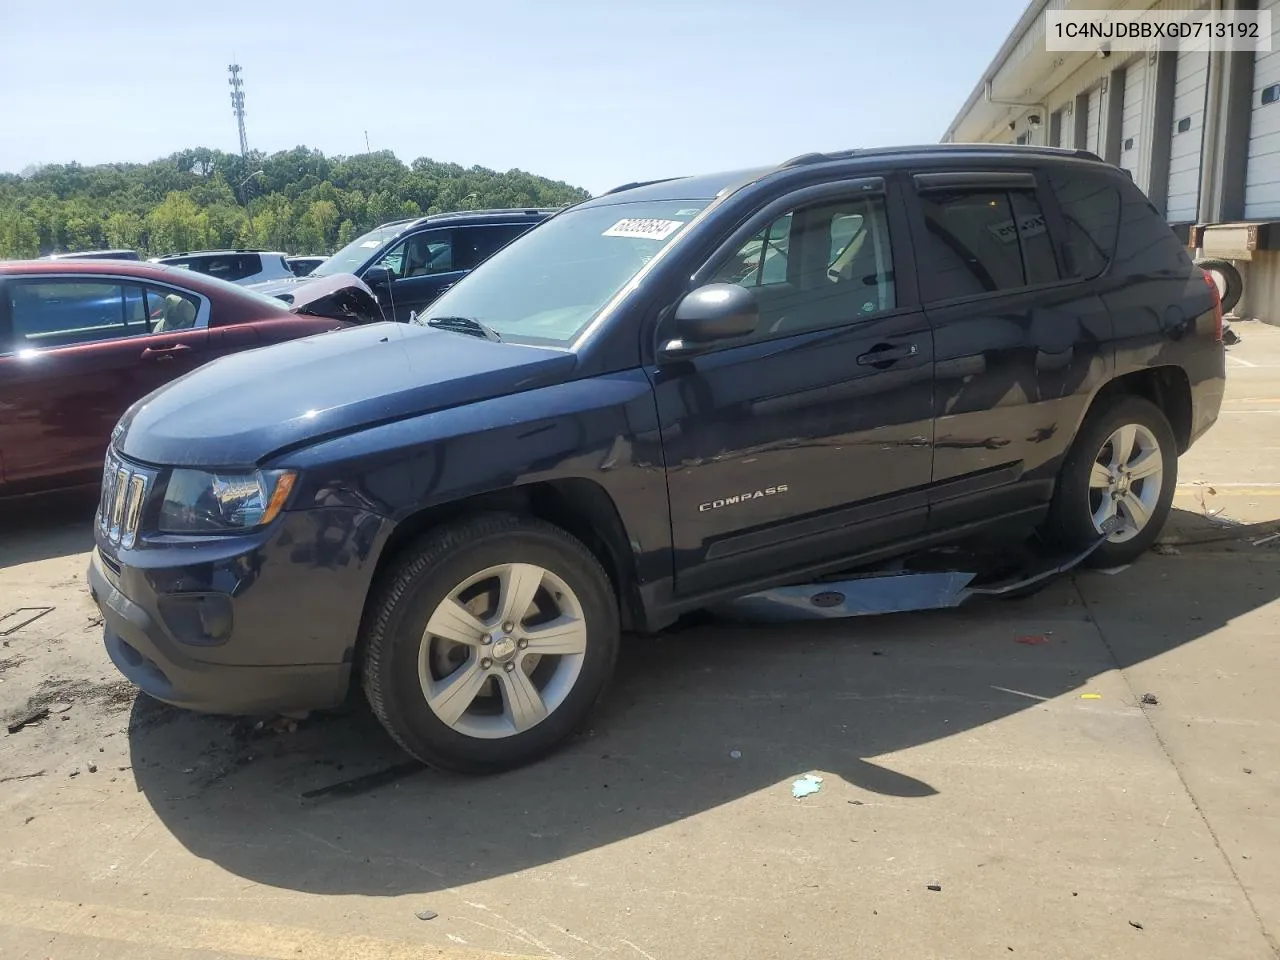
1122	469
489	643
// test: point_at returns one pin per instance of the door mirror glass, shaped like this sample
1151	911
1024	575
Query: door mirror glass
717	311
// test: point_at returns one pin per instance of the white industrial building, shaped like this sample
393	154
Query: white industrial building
1199	131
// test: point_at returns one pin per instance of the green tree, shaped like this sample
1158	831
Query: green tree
175	224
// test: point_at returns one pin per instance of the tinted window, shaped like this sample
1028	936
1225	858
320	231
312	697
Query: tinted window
980	241
818	266
421	255
55	313
1091	208
229	267
473	245
1038	258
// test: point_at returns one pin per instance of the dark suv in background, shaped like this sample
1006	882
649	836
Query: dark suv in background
408	263
670	395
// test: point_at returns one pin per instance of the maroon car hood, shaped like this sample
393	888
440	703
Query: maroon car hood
342	296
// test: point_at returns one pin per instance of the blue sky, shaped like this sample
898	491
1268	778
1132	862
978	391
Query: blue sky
595	93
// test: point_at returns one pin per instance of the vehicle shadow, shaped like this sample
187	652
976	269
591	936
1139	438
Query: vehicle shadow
47	526
698	718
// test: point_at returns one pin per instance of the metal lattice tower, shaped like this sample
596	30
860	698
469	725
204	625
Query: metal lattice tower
237	104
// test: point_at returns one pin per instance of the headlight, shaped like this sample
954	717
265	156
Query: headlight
197	501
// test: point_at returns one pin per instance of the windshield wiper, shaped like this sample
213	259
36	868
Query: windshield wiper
476	328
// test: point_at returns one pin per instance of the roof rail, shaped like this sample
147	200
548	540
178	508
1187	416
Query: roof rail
638	183
807	158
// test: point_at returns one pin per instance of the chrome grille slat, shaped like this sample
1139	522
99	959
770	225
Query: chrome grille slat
124	494
133	509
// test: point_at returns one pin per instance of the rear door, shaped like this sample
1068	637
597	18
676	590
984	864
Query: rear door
76	352
1020	344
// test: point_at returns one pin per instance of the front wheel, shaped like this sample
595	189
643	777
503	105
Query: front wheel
489	642
1123	468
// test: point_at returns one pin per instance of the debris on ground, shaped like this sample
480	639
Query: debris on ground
806	785
15	620
34	716
1166	550
1259	542
93	768
22	776
1090	696
1247	770
1151	700
735	754
1034	639
1136	925
856	803
426	914
935	887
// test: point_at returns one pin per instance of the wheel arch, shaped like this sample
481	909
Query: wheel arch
580	507
1166	386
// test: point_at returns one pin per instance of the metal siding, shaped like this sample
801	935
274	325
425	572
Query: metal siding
1189	88
1262	176
1135	94
1092	143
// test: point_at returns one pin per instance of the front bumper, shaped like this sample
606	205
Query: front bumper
234	627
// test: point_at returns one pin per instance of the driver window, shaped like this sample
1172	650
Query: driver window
818	266
421	255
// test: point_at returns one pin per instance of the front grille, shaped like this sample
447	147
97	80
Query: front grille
124	493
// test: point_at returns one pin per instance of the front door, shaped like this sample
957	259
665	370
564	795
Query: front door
811	439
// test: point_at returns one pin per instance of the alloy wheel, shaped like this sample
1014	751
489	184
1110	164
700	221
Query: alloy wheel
1125	481
502	651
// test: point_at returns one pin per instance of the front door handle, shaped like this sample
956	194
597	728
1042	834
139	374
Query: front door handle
883	354
165	353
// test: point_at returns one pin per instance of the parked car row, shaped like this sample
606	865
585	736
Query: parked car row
676	393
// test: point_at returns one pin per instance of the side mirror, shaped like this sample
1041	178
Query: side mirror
378	276
709	314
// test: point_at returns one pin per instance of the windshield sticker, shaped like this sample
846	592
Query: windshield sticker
688	211
371	243
644	229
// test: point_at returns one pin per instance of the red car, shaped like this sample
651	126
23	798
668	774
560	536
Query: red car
82	340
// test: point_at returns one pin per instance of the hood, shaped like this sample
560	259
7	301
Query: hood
342	296
241	408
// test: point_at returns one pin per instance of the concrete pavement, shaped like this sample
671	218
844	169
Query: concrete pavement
1058	814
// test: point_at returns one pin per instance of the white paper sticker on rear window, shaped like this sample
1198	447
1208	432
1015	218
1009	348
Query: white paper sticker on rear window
644	229
371	243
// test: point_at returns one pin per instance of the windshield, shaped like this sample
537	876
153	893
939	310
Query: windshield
351	257
546	286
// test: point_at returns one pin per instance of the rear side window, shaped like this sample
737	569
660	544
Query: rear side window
230	267
982	241
1091	208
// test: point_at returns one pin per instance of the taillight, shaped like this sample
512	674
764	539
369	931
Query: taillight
1217	305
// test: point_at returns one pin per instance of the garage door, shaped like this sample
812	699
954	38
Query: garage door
1262	180
1135	91
1092	142
1189	87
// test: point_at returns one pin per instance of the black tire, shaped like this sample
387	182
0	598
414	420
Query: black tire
1231	280
1070	522
420	579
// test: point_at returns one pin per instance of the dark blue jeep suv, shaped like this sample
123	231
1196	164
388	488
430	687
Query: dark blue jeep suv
676	393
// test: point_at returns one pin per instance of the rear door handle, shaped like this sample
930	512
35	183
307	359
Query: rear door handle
887	353
165	353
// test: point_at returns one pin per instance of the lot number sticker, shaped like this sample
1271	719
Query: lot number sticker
644	229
